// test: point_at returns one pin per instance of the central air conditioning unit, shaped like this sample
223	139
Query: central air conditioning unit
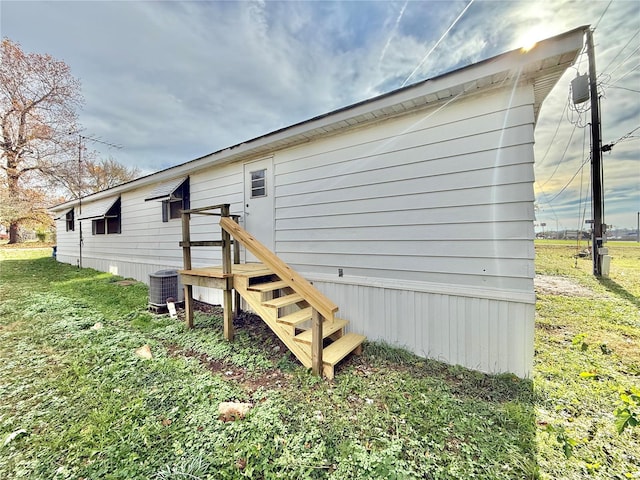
163	284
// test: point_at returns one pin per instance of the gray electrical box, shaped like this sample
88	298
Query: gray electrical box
580	89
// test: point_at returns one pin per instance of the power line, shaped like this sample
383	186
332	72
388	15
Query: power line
576	66
424	59
618	54
620	88
625	137
555	133
625	60
570	180
626	74
550	206
581	219
605	11
563	154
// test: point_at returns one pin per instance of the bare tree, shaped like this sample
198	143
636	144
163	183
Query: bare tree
91	175
38	102
106	173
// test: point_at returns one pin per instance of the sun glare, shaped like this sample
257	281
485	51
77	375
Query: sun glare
528	40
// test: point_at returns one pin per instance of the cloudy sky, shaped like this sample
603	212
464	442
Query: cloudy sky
171	81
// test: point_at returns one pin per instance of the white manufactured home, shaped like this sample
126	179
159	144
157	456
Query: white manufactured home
413	211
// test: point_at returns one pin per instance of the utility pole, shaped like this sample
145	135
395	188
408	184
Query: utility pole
84	138
596	161
81	240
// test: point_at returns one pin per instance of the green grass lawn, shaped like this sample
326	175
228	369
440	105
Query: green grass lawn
77	402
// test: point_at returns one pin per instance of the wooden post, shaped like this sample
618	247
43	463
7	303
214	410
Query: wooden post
186	260
236	261
228	273
316	342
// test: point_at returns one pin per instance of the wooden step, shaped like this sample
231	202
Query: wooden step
296	318
268	286
283	301
328	328
341	348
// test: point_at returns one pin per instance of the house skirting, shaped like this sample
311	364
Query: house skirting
482	329
489	330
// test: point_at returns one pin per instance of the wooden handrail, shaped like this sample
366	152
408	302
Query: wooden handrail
292	278
210	207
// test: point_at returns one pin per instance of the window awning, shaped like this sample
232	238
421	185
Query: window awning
97	209
63	214
165	190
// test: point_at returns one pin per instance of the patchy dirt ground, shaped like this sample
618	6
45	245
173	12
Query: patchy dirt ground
552	285
270	379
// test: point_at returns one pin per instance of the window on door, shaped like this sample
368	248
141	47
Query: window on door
259	183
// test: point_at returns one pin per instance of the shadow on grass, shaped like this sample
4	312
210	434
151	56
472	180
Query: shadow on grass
619	291
486	411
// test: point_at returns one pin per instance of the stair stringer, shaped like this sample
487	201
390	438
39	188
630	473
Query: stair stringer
269	316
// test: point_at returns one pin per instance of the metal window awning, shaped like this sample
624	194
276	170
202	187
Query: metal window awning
165	190
63	214
97	209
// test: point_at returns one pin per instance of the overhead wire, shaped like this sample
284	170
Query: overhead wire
625	138
605	11
620	88
623	61
619	53
581	220
626	74
555	133
549	204
584	162
562	158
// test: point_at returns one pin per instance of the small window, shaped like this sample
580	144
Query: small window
177	201
98	227
70	220
108	224
258	183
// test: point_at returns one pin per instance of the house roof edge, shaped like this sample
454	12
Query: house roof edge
382	106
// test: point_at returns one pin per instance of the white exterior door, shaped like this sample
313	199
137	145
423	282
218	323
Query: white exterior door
258	203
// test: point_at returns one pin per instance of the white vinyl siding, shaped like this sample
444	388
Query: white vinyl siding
67	242
398	200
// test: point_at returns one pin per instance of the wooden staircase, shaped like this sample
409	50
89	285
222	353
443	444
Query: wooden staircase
299	314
